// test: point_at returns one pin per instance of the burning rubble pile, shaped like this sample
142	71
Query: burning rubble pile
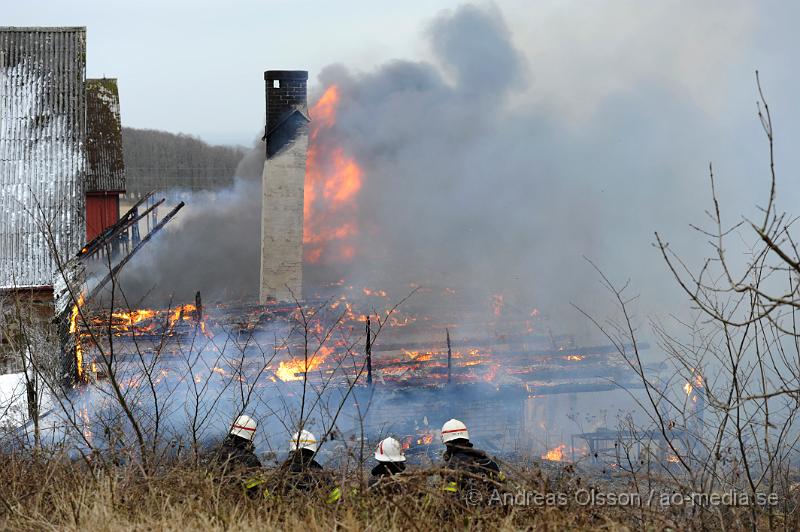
496	358
411	350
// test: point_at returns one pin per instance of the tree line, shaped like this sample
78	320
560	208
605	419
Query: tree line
176	160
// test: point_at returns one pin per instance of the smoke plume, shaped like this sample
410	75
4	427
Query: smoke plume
466	186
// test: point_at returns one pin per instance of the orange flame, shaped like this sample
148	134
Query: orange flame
374	293
556	454
324	111
293	370
73	329
135	316
695	383
425	439
181	312
333	182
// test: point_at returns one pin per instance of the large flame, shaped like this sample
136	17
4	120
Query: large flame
333	182
146	320
135	316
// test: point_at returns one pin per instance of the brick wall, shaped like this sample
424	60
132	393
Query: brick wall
290	92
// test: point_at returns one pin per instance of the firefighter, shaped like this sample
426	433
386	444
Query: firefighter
301	467
237	449
391	462
236	455
469	465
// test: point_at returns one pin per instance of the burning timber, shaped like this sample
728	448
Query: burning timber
486	382
71	293
517	363
505	375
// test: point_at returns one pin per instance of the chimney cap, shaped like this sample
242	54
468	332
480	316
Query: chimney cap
270	75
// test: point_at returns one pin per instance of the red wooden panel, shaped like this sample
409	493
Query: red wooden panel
102	210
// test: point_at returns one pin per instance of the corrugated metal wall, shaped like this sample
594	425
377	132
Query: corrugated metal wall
106	168
42	157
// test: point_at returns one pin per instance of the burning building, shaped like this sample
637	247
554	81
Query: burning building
61	173
514	390
286	137
42	172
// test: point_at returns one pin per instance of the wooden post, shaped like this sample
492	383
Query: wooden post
369	354
198	304
449	358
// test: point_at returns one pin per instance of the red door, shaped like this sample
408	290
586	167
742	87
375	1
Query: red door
102	210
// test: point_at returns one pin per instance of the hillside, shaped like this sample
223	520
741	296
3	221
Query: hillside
161	160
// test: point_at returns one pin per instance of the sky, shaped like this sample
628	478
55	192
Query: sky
197	66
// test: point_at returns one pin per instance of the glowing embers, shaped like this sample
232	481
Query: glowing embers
124	329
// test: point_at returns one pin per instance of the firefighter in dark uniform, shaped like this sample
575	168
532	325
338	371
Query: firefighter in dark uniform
302	470
391	463
470	470
237	455
237	450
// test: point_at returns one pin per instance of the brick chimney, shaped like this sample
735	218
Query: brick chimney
286	137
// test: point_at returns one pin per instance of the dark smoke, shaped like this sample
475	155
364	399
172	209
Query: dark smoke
211	246
466	187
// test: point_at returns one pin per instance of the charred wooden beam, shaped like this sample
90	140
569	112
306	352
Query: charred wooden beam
110	233
369	353
449	358
590	351
68	286
96	290
465	342
198	305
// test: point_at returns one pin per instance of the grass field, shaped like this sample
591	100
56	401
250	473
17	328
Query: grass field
60	494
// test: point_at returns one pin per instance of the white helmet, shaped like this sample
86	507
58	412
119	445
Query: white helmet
389	450
303	440
453	430
244	427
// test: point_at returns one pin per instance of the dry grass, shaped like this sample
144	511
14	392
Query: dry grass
67	495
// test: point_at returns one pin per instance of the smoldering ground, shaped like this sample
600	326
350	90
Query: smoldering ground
470	184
